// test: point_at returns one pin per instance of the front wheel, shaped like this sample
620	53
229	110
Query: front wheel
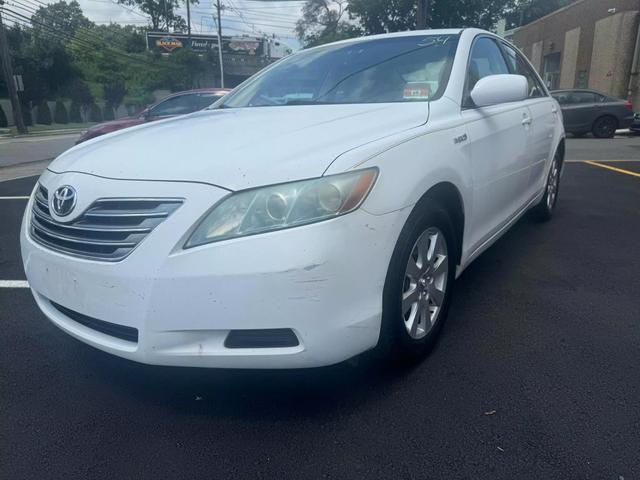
418	287
544	210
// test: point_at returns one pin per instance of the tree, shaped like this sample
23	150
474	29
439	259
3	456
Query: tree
381	16
112	77
162	13
95	114
43	114
75	114
60	113
3	119
526	11
323	21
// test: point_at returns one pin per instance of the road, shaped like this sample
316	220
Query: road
535	376
23	156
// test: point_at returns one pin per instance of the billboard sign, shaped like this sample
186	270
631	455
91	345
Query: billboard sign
170	42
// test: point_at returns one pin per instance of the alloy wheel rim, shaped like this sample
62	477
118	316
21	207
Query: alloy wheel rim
425	283
607	128
552	185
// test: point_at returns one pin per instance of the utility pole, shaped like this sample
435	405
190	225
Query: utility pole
8	78
218	8
189	22
422	21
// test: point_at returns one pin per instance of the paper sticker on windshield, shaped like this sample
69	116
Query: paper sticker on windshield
416	91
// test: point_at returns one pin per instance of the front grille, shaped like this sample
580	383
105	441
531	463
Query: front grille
108	230
122	332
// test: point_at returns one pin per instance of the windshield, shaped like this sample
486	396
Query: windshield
398	69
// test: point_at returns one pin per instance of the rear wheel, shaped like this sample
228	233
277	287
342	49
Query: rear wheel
604	127
418	287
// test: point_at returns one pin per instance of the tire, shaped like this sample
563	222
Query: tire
427	285
604	127
543	211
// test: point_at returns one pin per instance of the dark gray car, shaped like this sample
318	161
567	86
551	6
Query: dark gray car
587	111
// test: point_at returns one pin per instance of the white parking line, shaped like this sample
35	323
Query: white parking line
15	198
14	284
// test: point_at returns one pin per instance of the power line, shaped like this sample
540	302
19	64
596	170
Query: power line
62	35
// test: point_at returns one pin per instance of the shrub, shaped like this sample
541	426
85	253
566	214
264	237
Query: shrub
74	113
95	114
60	113
26	116
108	113
43	114
3	119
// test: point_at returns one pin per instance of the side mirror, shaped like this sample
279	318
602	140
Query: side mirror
495	89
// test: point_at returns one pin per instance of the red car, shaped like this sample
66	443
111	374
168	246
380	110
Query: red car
179	103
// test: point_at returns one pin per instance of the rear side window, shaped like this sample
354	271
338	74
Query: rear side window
485	59
519	66
586	97
179	105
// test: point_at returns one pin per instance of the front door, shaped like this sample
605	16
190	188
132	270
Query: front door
498	136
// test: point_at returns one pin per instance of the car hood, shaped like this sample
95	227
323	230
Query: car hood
240	148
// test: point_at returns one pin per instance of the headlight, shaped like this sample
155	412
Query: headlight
287	205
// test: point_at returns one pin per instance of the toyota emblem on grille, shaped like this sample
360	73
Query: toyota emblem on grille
64	199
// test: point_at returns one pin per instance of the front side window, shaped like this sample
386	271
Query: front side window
399	69
485	59
519	66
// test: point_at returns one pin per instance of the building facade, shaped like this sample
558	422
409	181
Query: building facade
588	44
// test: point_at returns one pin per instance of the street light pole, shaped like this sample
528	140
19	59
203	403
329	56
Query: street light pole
218	8
189	23
8	78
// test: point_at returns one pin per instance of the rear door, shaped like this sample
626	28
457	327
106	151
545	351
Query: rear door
581	109
544	118
498	137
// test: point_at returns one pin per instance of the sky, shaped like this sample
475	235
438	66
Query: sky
250	17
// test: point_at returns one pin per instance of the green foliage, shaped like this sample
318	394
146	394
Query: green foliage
43	114
95	114
526	11
162	13
3	119
323	22
108	113
381	16
60	113
75	116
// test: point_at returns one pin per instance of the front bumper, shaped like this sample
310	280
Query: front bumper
323	281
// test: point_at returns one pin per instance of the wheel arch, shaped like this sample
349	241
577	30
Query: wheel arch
447	195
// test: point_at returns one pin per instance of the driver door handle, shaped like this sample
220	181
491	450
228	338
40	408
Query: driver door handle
526	120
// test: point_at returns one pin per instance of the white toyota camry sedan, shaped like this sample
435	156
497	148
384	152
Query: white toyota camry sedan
321	209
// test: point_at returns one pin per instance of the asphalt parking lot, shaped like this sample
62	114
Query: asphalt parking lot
536	374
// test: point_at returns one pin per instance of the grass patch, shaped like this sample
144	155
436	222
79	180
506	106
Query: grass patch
54	126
